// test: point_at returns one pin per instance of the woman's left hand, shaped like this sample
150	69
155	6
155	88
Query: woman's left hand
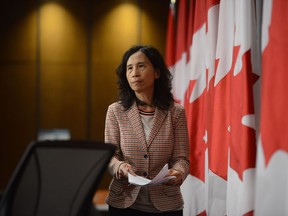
175	181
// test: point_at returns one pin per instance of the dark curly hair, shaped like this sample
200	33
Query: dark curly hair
163	97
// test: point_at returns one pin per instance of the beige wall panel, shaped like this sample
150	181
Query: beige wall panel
104	92
18	118
63	57
18	32
154	16
63	98
62	33
114	30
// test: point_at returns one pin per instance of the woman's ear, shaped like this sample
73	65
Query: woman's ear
157	73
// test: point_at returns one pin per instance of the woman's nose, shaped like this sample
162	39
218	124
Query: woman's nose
135	73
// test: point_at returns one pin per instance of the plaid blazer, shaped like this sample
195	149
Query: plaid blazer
167	143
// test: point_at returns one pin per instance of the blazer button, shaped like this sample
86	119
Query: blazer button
145	156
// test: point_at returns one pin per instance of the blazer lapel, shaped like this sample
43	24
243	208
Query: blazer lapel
158	119
134	117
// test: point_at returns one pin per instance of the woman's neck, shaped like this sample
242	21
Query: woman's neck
143	103
144	106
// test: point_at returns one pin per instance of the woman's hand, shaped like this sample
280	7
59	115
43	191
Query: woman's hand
123	170
175	181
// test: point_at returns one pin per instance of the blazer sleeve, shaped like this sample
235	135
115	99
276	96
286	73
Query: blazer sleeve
181	152
112	136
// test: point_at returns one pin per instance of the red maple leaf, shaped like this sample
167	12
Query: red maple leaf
274	116
196	128
218	121
243	138
229	101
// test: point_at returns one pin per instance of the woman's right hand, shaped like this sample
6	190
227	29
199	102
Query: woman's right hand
123	170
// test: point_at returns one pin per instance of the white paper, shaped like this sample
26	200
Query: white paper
160	178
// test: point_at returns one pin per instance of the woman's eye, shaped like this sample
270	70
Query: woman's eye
129	68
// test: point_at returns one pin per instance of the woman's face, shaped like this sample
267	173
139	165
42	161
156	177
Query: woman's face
141	74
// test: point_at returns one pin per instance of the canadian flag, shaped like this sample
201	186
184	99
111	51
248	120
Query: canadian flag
272	153
215	74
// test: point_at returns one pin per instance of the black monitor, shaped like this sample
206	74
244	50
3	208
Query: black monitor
56	178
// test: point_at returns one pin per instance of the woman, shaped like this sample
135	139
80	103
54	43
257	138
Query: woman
150	130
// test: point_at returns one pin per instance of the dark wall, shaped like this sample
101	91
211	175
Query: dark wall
57	65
